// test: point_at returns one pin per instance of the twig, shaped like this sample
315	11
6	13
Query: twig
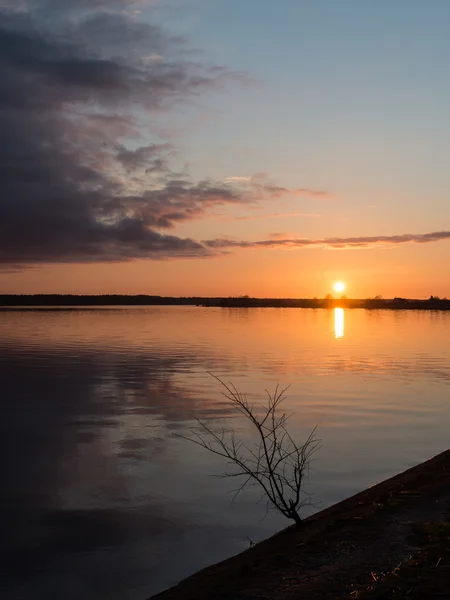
276	463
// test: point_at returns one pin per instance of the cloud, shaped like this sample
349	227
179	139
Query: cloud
261	217
238	178
276	216
334	242
262	179
72	6
77	182
80	182
279	235
145	157
315	194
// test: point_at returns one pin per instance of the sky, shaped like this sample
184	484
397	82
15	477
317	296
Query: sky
225	147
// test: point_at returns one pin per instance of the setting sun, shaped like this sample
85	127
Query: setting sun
339	286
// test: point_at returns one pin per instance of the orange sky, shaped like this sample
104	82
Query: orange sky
415	271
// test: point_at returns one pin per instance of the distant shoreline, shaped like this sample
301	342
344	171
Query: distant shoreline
69	301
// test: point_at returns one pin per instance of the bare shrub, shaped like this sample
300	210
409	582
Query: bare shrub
275	462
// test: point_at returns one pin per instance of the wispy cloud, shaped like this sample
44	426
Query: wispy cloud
238	179
274	216
279	235
262	179
333	242
315	194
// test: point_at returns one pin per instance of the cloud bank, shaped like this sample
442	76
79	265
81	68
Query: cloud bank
78	184
333	242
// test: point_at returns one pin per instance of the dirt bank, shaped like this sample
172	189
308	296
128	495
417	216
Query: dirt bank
389	541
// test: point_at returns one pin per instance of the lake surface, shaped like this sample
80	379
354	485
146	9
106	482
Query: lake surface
100	498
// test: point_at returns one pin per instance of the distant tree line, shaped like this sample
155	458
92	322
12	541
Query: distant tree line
72	300
95	300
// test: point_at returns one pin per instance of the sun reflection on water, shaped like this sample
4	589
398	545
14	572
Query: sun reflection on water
338	323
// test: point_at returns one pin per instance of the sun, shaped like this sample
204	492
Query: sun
339	287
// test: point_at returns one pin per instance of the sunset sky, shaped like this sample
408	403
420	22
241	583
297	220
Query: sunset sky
225	147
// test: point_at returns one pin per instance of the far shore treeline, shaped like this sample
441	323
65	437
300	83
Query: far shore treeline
69	300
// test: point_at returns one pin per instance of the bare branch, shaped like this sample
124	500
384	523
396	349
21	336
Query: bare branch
277	464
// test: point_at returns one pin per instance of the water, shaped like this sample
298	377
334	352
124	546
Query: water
100	498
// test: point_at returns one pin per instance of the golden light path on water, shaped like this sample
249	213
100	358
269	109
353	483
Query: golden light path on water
338	323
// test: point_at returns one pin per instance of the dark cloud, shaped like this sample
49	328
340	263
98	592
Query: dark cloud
77	5
334	242
146	157
77	182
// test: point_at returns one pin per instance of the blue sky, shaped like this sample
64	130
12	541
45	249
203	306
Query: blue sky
351	97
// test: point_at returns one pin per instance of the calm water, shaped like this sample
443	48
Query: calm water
101	500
